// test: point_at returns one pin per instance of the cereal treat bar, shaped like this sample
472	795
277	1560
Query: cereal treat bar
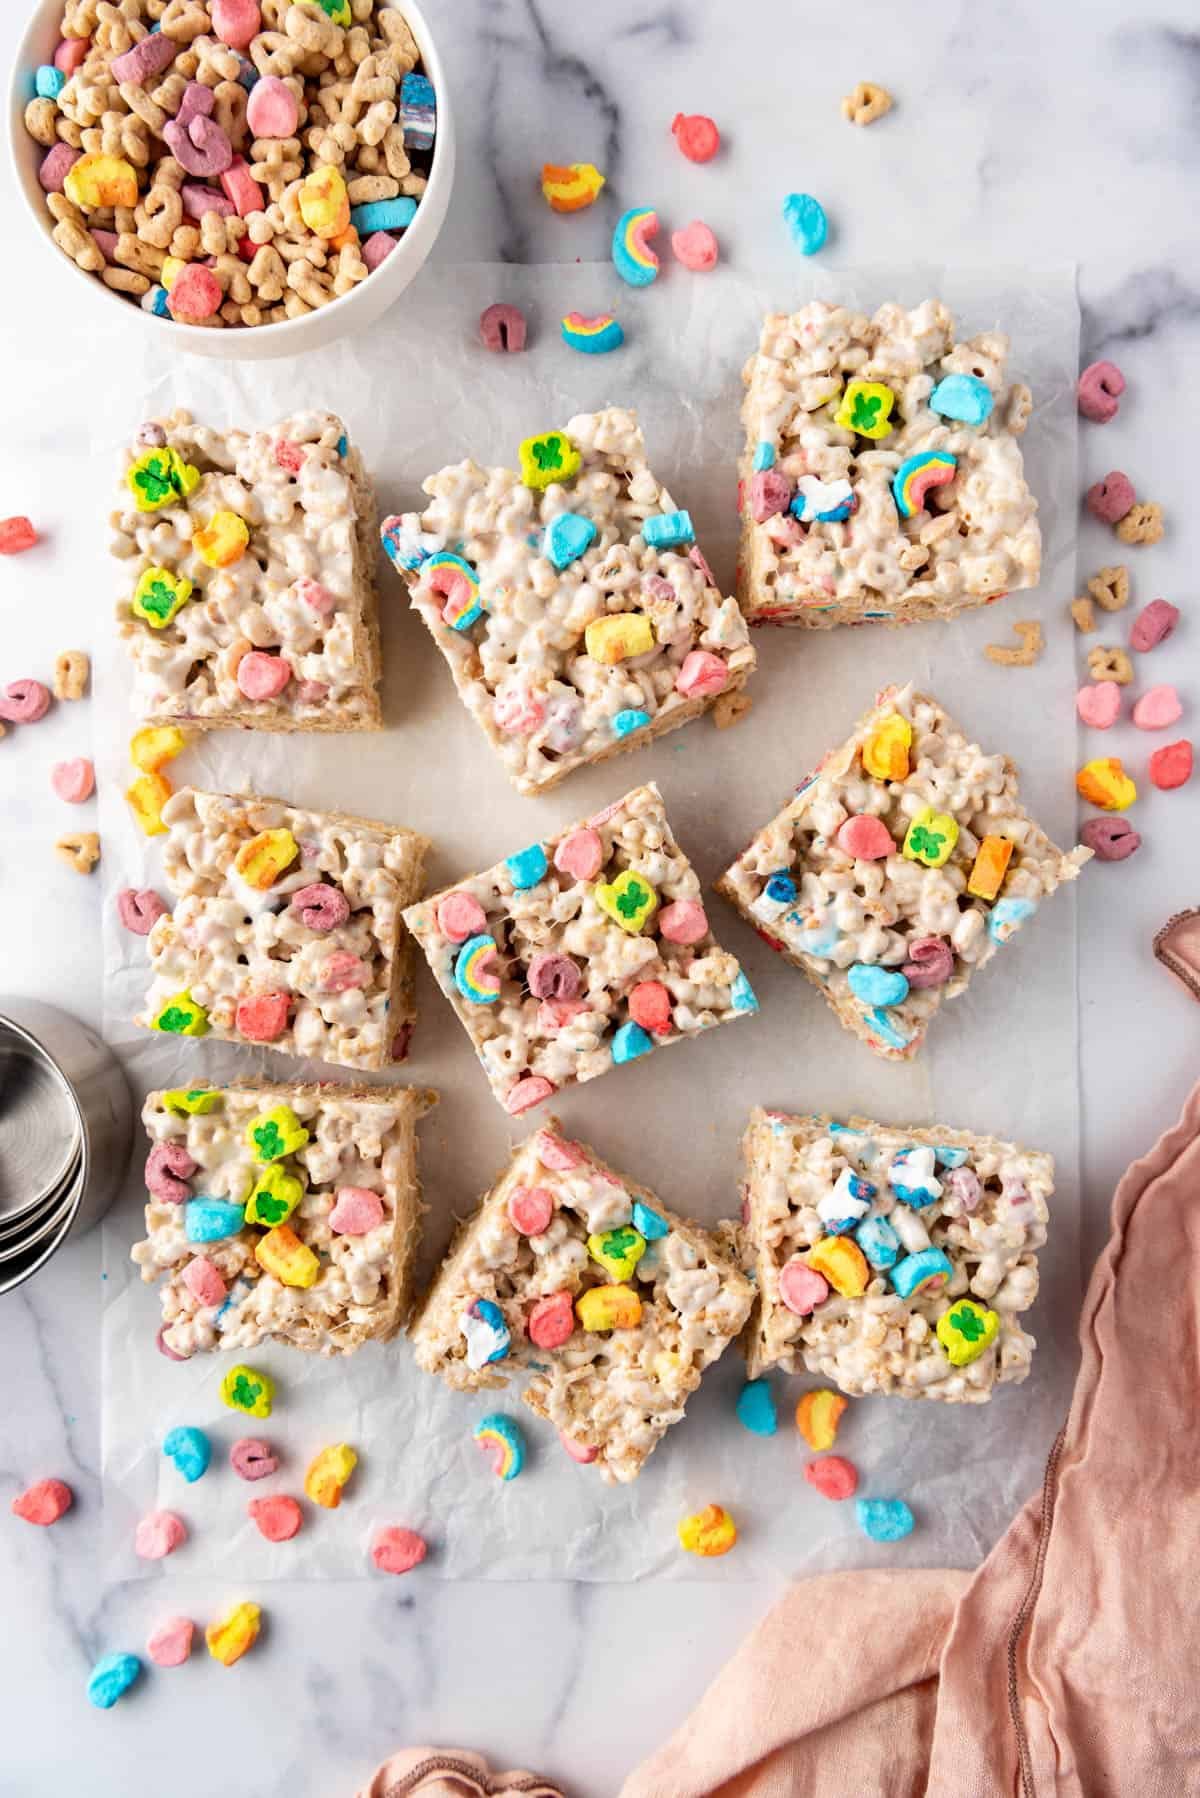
577	613
881	477
227	163
586	950
287	929
900	867
891	1260
285	1212
247	564
613	1305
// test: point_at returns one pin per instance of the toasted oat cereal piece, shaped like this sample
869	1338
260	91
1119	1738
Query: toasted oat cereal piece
881	477
1108	662
577	614
72	670
886	901
216	1291
1030	646
1141	524
247	573
1084	614
866	103
1110	588
576	1276
287	929
731	708
948	1225
581	951
80	849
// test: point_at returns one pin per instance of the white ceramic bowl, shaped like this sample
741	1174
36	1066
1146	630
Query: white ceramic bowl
354	312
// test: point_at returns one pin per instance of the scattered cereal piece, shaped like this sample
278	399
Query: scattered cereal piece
696	135
1110	588
756	1408
1099	391
711	1531
24	702
502	327
833	1477
43	1503
146	797
1171	766
805	219
278	1517
1084	614
189	1448
593	336
731	708
817	1417
73	781
16	536
253	1459
1106	784
1105	663
171	1643
883	1519
1153	625
158	1534
234	1635
111	1678
1099	703
72	669
398	1550
1029	636
866	103
328	1474
1157	709
1112	498
696	247
503	1444
139	909
245	1389
632	256
80	850
1143	524
570	187
1112	839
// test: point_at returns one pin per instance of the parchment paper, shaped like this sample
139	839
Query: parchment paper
419	393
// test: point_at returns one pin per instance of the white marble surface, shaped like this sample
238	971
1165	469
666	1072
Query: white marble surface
1024	135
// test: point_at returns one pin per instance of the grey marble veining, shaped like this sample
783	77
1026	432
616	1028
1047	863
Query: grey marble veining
1029	134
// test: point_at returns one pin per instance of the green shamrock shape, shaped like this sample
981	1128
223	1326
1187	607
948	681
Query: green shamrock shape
619	1243
967	1324
158	598
631	901
272	1211
174	1019
547	453
926	842
269	1140
866	405
245	1392
153	483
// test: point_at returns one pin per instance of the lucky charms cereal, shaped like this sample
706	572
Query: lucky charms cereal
608	1305
881	476
580	952
243	1226
247	576
936	1232
900	867
571	601
214	159
287	929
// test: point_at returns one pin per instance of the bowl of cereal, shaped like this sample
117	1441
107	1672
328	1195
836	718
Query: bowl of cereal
248	178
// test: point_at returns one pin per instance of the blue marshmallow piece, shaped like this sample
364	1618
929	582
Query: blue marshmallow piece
625	723
648	1223
567	536
949	1156
1007	916
111	1678
49	82
883	1519
383	215
631	1041
963	397
190	1450
667	530
781	889
805	219
764	457
211	1220
874	985
527	867
887	1031
742	996
928	1267
878	1242
756	1408
418	111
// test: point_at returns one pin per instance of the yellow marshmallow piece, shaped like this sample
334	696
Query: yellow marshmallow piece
328	1473
885	752
147	796
155	744
229	1640
324	202
609	1308
711	1531
99	180
618	636
262	860
222	541
281	1253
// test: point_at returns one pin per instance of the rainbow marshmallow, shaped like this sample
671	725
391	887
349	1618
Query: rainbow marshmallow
503	1444
917	475
635	261
475	973
592	335
457	583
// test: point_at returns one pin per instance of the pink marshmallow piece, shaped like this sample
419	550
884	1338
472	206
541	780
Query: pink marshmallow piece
73	781
459	916
272	109
171	1643
356	1211
56	165
194	295
204	1282
1100	388
684	921
866	838
533	1090
1153	625
107	242
317	598
770	492
343	973
158	1534
398	1550
701	675
377	248
71	54
139	909
583	1452
198	198
1099	703
1110	499
530	1209
1158	708
580	854
241	187
558	1152
801	1287
696	247
43	1503
146	59
261	676
236	22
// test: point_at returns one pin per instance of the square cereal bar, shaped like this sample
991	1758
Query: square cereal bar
284	1212
612	1304
247	566
899	868
287	929
881	476
891	1260
577	613
585	950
